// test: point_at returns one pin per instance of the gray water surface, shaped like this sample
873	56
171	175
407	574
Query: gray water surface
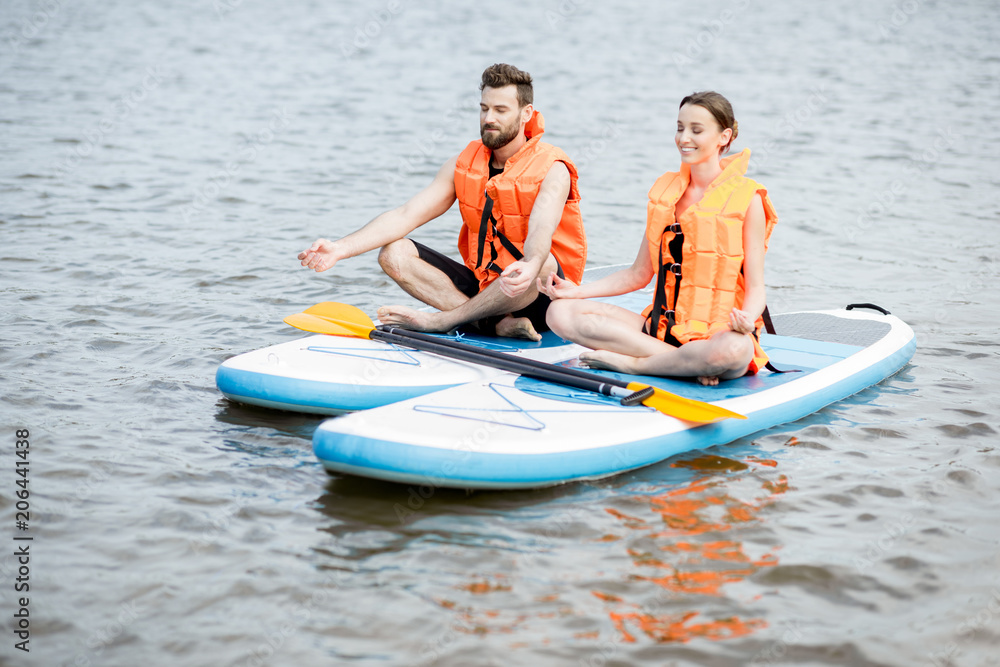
161	164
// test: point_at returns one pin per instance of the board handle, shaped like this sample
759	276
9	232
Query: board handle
871	306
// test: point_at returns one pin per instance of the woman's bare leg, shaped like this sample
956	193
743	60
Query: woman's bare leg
615	334
601	326
726	355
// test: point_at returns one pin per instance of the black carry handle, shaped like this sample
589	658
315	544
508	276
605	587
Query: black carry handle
870	306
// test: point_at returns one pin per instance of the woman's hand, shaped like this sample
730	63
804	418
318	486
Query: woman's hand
740	322
558	288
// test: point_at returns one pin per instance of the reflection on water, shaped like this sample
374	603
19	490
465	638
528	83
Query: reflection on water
680	547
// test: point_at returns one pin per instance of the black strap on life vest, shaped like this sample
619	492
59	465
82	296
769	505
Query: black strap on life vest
487	217
769	328
660	296
768	322
489	221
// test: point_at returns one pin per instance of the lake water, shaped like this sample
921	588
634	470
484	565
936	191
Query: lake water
161	164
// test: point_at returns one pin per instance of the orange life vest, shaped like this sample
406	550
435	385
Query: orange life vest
711	267
488	249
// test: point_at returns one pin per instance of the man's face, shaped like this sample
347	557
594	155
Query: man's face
500	118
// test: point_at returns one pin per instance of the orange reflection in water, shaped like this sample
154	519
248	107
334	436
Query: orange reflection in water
676	628
694	558
480	619
682	542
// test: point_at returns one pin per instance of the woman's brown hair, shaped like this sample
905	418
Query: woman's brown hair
720	108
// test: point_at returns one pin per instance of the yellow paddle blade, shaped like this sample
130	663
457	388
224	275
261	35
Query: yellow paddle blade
684	408
348	317
342	312
319	325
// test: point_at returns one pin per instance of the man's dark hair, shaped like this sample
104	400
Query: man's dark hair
502	75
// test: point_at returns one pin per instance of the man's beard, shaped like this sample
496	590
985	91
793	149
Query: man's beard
495	140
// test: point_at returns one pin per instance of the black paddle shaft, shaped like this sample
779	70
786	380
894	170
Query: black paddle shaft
504	362
541	365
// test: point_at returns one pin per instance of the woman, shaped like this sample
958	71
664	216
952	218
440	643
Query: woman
706	234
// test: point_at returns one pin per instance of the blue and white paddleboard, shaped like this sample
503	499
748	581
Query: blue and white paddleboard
509	432
331	375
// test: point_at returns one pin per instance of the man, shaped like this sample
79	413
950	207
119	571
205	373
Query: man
521	219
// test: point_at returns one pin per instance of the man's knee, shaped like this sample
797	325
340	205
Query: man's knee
551	265
395	255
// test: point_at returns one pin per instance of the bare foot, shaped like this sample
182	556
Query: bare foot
708	380
517	327
608	361
408	318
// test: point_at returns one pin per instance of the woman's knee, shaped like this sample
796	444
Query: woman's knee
560	316
731	353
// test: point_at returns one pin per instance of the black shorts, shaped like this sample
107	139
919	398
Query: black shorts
465	280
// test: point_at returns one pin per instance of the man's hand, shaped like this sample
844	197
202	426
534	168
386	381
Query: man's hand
558	288
320	256
517	278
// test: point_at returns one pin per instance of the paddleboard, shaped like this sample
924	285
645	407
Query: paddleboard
511	432
331	375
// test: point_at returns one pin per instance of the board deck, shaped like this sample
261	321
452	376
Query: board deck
508	432
332	375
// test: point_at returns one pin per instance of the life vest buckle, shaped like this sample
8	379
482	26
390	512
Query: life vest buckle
673	268
675	228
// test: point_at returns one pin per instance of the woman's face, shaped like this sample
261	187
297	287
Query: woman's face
699	137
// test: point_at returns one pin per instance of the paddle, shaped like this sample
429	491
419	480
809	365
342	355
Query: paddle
340	319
